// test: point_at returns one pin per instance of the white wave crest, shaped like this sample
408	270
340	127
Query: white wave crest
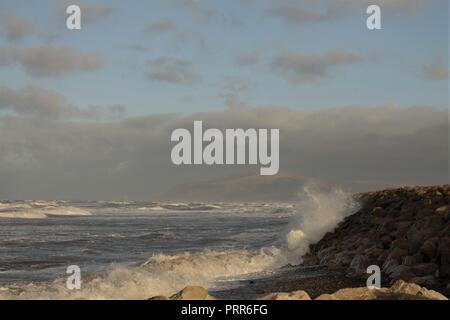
160	275
316	214
27	212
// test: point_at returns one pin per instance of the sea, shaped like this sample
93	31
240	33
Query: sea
141	249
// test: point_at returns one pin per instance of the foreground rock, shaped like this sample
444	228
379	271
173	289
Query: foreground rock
405	231
188	293
295	295
400	290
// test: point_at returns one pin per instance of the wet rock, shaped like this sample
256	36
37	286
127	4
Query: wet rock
359	264
424	269
429	249
404	230
397	254
442	210
411	260
343	258
425	281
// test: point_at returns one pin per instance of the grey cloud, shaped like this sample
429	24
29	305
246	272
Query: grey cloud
15	28
233	90
311	11
247	58
131	158
299	67
160	26
38	102
171	70
437	70
49	61
33	101
295	15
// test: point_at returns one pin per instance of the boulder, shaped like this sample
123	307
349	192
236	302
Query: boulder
352	294
425	281
359	264
404	288
442	210
295	295
424	269
192	293
343	258
159	298
411	260
429	249
397	254
400	290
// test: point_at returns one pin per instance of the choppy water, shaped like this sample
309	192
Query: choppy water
138	249
38	249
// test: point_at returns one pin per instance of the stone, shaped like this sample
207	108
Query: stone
400	290
425	281
400	272
159	298
442	210
192	293
402	287
377	210
389	264
444	268
428	249
424	269
411	260
359	264
352	294
343	258
295	295
397	254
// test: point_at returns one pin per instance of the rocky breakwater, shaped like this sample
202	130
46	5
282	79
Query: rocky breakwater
405	231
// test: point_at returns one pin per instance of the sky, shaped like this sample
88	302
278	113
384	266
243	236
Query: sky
88	113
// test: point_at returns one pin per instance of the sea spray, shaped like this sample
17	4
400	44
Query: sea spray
318	212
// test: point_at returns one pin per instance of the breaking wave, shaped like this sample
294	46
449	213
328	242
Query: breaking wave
38	211
316	214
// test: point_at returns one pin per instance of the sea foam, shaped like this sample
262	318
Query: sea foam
316	213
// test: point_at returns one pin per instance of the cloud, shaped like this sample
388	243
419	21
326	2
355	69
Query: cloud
131	157
437	71
33	101
299	67
49	61
247	58
311	11
37	102
171	70
158	27
15	28
232	92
